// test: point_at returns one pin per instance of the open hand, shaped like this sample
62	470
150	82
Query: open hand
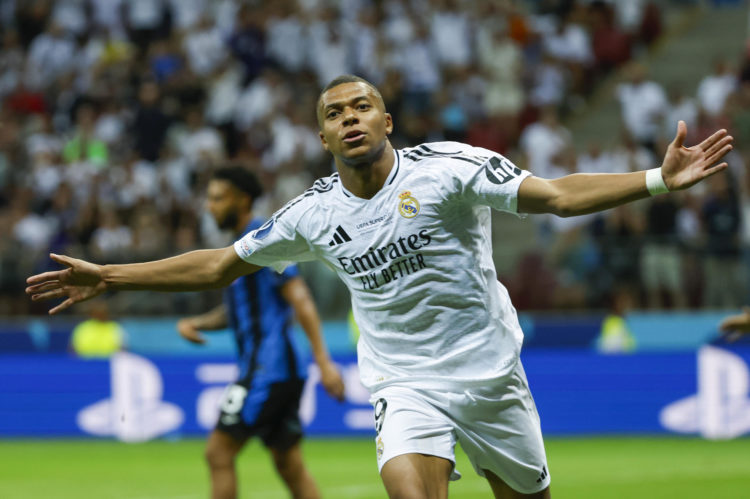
190	332
80	281
735	326
685	166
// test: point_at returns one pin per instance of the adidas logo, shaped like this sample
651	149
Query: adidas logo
339	237
543	475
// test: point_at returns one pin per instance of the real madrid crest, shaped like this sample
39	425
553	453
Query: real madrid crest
408	206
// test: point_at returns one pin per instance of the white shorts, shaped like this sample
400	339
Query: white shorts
498	428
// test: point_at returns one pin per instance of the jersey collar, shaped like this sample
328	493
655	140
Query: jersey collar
388	181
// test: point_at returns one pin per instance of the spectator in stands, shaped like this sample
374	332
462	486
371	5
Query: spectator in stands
643	104
451	34
150	123
542	141
247	43
501	62
84	146
661	263
680	106
51	55
204	47
714	89
144	63
721	217
98	337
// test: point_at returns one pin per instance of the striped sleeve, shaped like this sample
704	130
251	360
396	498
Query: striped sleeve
278	243
480	176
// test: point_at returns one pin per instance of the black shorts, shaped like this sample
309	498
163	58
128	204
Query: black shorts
267	411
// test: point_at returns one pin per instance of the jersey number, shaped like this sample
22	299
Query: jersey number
500	171
234	398
380	406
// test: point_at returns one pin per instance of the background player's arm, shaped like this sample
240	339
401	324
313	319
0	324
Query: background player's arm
579	194
82	280
297	294
190	327
735	326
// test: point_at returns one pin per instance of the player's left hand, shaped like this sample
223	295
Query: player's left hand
686	166
191	333
735	326
331	380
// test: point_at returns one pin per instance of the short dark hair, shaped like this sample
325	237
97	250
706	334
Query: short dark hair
241	178
340	80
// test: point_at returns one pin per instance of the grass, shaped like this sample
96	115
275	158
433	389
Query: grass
617	468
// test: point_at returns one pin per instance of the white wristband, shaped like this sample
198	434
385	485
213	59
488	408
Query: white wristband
655	183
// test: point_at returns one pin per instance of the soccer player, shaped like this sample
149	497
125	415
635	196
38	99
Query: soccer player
264	401
408	232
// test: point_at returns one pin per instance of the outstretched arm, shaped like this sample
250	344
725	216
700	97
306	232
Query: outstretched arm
82	280
296	293
579	194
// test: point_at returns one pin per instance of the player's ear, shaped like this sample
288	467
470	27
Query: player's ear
323	141
388	123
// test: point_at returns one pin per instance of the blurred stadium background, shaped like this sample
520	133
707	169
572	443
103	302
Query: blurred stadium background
115	112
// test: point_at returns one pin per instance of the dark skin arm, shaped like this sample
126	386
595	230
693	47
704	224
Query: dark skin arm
579	194
82	280
190	328
735	326
297	294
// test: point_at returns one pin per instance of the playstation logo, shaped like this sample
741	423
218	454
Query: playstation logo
135	412
721	408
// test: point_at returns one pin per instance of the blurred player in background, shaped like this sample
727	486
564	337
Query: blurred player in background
408	231
264	401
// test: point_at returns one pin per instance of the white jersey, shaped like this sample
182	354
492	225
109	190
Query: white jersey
417	259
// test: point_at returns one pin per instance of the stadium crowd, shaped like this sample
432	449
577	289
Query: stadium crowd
114	114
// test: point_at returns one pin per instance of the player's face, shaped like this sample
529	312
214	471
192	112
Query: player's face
353	123
223	202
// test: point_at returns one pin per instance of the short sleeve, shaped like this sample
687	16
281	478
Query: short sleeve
490	179
275	244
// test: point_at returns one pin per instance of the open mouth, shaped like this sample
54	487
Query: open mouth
354	136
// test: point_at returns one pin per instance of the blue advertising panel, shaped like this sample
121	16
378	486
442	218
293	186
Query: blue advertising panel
135	398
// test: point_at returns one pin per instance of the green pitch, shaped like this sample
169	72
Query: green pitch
617	468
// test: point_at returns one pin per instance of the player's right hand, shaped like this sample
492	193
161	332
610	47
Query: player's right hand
80	281
189	332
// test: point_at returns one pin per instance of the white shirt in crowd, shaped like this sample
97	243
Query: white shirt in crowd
643	106
713	91
187	13
284	39
684	110
571	45
71	15
256	103
451	37
49	57
144	14
541	143
205	50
